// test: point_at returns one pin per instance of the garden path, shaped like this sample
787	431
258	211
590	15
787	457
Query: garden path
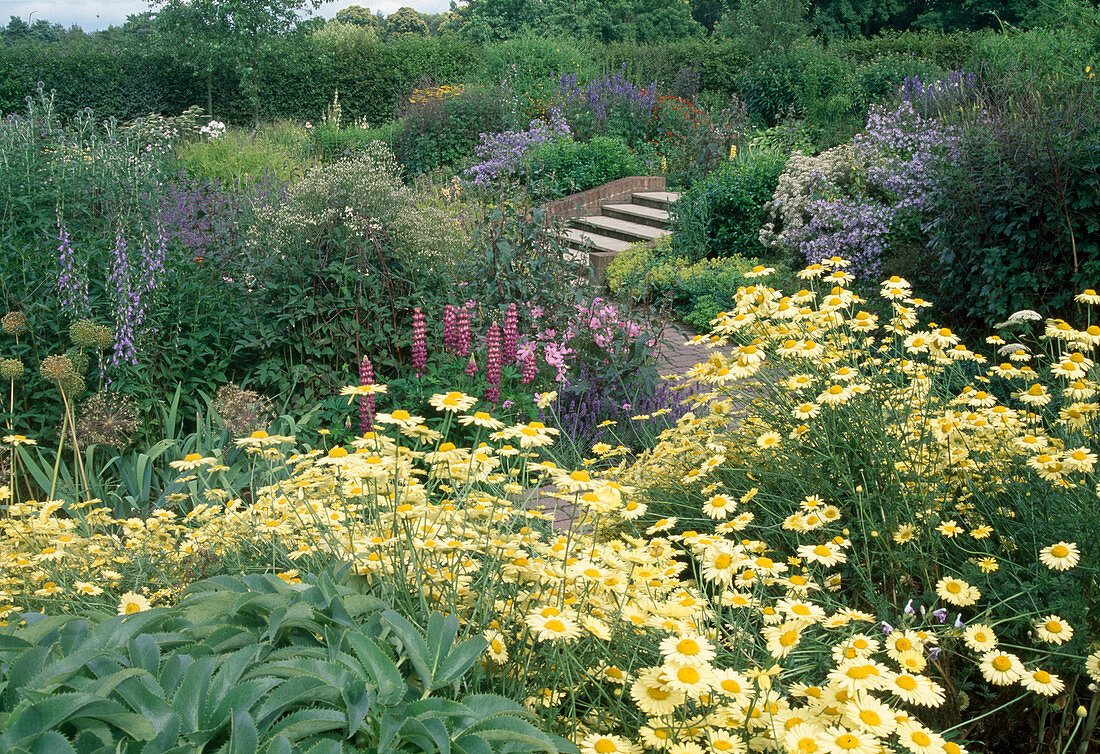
675	356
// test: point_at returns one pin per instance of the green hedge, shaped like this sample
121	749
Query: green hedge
296	82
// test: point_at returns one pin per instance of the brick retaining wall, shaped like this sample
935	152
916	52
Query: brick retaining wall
589	202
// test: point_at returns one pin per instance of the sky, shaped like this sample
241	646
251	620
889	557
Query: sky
94	16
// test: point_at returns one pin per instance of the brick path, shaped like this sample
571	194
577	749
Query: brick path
674	358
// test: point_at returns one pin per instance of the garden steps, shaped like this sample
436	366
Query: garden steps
656	199
645	218
623	230
638	213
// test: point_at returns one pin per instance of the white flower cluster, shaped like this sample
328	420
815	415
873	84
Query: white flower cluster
213	130
801	182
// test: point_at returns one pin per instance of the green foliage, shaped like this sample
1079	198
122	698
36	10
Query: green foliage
1015	224
530	67
722	214
339	39
566	166
757	27
441	126
693	291
332	142
240	156
405	21
356	14
253	664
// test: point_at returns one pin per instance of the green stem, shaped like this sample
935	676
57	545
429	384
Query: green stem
57	461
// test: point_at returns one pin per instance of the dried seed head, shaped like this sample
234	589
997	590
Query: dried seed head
11	369
104	338
84	333
79	360
56	368
14	323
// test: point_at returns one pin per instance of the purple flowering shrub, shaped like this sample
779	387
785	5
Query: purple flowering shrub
631	415
209	220
608	106
937	98
504	155
860	201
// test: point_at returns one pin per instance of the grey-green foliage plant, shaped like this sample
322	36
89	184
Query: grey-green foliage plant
251	664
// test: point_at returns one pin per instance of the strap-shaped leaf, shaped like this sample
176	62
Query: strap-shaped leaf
50	742
412	643
325	747
228	675
415	734
133	725
242	696
441	737
56	673
471	744
243	738
458	661
460	714
382	670
276	745
509	729
171	672
309	722
25	667
144	653
190	697
329	672
359	698
491	705
290	693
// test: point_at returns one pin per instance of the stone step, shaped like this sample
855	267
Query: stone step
655	199
638	213
586	241
622	229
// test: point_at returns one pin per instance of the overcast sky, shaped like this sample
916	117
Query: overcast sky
93	16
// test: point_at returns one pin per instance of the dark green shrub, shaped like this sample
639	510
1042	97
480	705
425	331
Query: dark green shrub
767	88
722	215
1015	225
877	80
566	166
441	125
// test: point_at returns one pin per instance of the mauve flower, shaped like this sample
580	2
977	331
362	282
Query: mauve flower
419	343
366	402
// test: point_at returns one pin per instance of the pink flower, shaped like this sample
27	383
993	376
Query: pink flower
419	343
471	367
366	402
450	330
462	331
555	357
511	334
492	364
530	367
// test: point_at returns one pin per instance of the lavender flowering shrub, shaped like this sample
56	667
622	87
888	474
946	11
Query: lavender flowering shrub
942	96
504	155
589	411
608	106
857	201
